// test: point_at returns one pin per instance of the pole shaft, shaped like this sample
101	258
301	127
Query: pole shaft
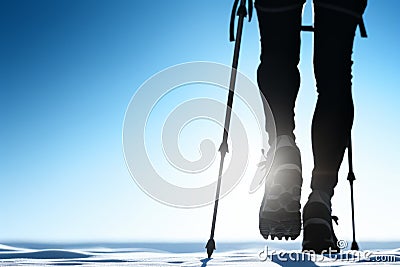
352	212
221	166
351	179
232	84
350	155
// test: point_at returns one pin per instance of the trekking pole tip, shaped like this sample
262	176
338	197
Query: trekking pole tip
354	246
210	247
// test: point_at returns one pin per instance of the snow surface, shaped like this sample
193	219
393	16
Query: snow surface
190	254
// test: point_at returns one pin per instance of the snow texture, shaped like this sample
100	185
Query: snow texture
169	254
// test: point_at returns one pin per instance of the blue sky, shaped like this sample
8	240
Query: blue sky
67	72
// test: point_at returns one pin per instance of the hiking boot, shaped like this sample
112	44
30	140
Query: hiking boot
319	236
280	208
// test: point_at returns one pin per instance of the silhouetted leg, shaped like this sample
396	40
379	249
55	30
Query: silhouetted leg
279	81
335	26
278	75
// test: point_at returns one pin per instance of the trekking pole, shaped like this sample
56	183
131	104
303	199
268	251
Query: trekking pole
351	177
241	12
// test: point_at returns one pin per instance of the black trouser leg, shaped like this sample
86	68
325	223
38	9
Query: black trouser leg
333	118
278	76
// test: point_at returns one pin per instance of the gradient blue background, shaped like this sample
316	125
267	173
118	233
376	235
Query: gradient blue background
67	72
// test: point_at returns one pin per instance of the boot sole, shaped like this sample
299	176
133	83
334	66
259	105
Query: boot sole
280	225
